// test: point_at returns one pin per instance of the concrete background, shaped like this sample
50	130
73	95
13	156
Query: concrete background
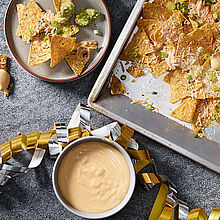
35	105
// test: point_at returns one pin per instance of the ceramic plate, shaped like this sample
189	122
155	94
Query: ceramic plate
61	72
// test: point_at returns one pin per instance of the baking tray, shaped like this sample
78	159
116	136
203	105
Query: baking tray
155	126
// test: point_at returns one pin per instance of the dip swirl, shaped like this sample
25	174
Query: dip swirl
94	177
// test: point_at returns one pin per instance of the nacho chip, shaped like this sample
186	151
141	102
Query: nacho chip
187	54
149	25
58	3
201	14
20	10
117	87
3	62
160	68
204	114
180	86
152	11
186	111
60	47
28	17
138	48
211	81
170	31
80	57
136	71
39	51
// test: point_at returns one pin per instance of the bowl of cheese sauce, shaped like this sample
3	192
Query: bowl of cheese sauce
94	177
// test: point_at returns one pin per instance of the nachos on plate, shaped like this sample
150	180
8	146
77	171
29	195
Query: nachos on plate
181	40
52	36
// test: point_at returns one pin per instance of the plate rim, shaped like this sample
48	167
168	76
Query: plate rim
60	80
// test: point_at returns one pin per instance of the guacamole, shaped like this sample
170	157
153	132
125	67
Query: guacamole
67	9
86	16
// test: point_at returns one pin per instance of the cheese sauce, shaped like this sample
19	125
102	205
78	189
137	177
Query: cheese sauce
94	177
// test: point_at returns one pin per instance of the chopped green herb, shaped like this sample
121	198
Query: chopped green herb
214	88
189	77
58	31
182	7
196	136
185	11
134	54
149	107
198	75
206	56
123	77
215	15
218	105
195	16
163	55
208	3
211	75
214	116
171	6
154	93
32	33
54	24
45	38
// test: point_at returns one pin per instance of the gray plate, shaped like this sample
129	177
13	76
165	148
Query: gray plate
151	124
61	72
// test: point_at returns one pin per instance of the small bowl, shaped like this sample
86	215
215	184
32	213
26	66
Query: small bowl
93	215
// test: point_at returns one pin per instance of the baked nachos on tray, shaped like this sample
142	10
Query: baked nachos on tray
181	40
51	35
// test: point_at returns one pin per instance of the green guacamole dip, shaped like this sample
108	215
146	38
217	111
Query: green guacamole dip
86	16
67	9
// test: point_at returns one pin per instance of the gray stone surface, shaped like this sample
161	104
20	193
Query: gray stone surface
36	105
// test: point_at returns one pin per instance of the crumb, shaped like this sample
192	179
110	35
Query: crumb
209	138
133	80
214	132
142	102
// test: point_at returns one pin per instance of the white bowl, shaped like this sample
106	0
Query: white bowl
93	215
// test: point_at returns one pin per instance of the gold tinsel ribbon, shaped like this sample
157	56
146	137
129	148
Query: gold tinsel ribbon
161	210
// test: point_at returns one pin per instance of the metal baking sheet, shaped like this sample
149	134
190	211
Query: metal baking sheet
159	127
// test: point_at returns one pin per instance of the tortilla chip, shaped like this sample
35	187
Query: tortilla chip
205	15
186	111
140	43
39	51
3	62
180	86
80	57
204	114
20	10
152	11
170	31
60	47
117	87
58	3
206	91
160	68
136	71
149	25
188	45
28	17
